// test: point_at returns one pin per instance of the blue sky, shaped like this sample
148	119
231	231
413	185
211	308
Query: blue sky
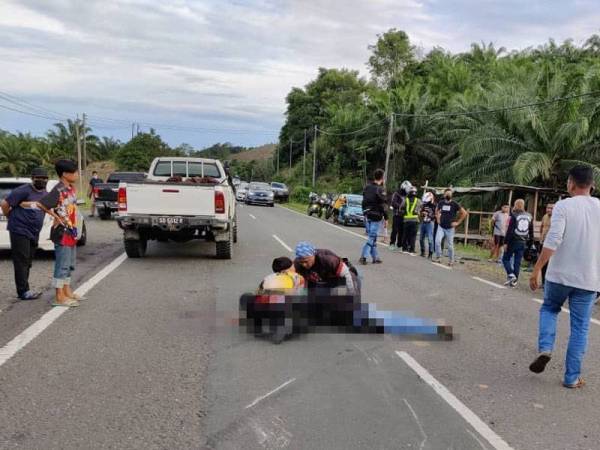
223	68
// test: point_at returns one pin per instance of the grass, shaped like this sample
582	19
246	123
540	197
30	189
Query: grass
296	206
472	250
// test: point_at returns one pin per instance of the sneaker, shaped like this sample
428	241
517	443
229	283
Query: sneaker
377	261
509	281
31	295
363	261
540	362
513	283
392	247
436	260
422	254
450	263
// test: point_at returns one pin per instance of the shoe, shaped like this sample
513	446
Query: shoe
450	263
31	295
377	261
511	278
436	260
430	256
513	283
363	261
392	247
578	384
422	254
540	362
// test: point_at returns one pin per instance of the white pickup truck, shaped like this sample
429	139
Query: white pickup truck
181	199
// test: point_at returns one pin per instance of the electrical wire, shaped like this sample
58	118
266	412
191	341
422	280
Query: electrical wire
330	133
29	113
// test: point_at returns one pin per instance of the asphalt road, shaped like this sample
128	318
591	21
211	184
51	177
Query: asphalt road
150	360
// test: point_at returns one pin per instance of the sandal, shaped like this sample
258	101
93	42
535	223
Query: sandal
77	297
70	303
579	384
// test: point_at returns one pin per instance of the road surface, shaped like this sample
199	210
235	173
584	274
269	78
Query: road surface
150	360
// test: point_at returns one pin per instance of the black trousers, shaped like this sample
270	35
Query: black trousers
22	250
397	228
409	235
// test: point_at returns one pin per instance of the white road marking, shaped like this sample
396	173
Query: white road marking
441	266
480	426
537	300
30	333
262	397
287	247
253	216
491	283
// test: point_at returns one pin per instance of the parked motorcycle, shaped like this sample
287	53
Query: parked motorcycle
314	205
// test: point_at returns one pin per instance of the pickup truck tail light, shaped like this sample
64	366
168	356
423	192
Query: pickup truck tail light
122	199
219	202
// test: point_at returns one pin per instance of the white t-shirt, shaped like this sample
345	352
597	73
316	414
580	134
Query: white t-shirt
575	236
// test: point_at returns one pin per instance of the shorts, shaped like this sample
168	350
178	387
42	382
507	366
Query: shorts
498	240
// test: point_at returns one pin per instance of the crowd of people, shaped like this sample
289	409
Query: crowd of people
25	208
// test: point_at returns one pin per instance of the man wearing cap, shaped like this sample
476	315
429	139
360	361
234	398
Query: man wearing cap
321	267
25	221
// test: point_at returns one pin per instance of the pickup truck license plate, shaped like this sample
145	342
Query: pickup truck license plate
169	220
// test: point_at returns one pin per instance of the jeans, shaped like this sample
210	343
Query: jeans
514	251
370	246
409	235
396	237
22	251
442	233
426	231
64	264
581	303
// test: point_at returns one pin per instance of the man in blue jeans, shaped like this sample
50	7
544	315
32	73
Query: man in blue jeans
427	214
518	235
375	213
446	217
571	247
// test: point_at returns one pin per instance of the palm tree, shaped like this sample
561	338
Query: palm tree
64	138
14	156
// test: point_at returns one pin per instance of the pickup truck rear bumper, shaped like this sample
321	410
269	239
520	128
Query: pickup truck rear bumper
171	223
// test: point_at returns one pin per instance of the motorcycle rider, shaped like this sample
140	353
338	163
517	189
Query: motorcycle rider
323	268
397	218
427	214
410	206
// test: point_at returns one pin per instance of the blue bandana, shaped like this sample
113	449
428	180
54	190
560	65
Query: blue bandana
304	249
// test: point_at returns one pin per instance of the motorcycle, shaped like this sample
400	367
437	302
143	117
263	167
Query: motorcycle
314	205
329	209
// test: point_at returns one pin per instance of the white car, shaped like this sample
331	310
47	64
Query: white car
6	186
241	191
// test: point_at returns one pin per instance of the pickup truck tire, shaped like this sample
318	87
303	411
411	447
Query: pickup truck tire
225	248
135	248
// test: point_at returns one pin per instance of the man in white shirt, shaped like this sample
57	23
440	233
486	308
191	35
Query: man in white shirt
572	247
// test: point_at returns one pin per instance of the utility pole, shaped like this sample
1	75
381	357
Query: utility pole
78	141
314	159
138	129
277	159
84	149
290	154
132	129
388	150
304	161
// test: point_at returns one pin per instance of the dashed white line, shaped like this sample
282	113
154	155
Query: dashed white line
567	310
287	247
262	397
491	283
479	425
30	333
253	216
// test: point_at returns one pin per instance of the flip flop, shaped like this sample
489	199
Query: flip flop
579	384
68	304
77	297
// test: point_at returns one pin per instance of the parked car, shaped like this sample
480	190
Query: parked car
241	191
260	194
6	186
352	213
280	191
105	194
181	199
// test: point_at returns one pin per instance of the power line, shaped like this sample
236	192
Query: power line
27	105
371	125
29	113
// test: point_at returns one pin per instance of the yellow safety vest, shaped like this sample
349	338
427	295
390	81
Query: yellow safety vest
410	210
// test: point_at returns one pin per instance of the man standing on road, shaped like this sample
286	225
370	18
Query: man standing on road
447	222
61	204
373	205
500	224
397	219
572	250
411	206
93	182
427	214
25	221
518	236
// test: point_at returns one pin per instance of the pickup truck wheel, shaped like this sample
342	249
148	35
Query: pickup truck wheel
224	249
135	248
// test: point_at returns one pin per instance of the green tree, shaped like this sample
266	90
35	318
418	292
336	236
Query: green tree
138	153
392	54
14	156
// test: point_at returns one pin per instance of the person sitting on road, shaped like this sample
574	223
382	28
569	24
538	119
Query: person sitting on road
283	277
323	268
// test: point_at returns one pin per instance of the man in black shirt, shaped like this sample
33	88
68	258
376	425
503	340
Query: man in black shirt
375	213
93	182
446	212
